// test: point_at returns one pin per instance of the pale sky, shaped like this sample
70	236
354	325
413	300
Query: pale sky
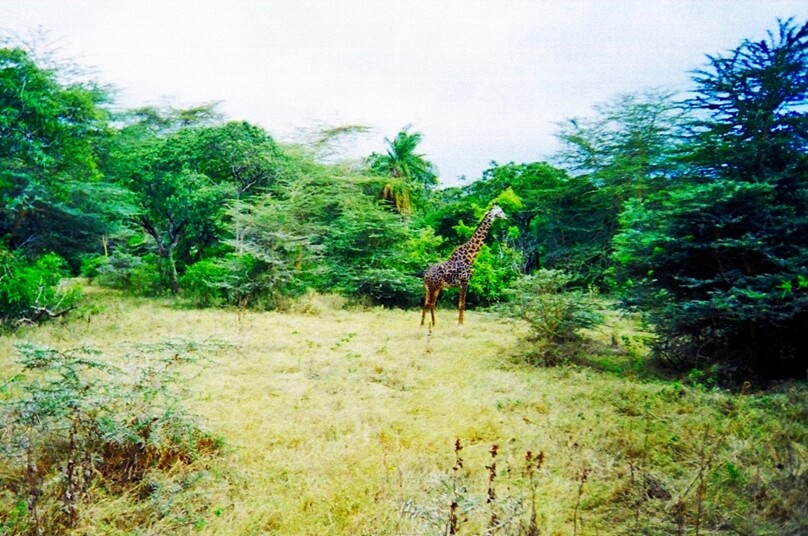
481	80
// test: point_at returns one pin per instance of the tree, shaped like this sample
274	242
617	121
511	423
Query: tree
241	159
365	247
172	198
411	174
184	176
562	221
626	148
52	196
625	151
173	204
274	248
719	262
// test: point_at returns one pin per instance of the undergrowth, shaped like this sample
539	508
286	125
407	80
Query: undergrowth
77	428
708	490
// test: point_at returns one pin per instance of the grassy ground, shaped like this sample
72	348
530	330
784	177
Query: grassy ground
345	421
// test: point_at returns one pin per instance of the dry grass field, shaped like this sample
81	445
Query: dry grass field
345	421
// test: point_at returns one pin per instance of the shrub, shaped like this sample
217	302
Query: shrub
389	287
554	313
30	291
73	423
493	272
137	275
91	264
147	278
204	283
114	271
237	279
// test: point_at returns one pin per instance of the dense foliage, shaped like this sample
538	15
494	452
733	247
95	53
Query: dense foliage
694	211
410	176
719	261
51	195
30	290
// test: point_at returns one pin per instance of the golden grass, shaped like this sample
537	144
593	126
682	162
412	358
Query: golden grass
334	420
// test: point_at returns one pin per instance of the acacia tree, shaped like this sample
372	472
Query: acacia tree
52	196
242	160
171	197
719	262
624	151
626	147
185	168
274	249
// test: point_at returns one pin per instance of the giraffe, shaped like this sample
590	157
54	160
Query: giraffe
457	271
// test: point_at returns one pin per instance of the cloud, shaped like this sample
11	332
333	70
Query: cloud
482	80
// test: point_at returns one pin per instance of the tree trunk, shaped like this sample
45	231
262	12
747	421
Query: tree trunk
172	272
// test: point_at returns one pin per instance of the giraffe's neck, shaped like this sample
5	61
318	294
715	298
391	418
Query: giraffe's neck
468	251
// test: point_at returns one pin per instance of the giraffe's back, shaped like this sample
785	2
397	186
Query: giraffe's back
447	274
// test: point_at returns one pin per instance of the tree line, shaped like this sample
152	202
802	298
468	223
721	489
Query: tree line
690	209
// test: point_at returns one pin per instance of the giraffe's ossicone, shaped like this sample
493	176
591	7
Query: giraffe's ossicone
457	271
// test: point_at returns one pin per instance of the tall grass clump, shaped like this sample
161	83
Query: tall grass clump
77	429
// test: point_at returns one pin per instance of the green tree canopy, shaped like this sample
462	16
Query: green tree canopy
184	176
51	194
720	262
562	220
410	174
627	146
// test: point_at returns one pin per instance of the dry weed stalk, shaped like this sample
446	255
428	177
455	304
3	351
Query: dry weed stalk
639	480
241	312
532	466
576	521
491	493
705	464
458	465
34	484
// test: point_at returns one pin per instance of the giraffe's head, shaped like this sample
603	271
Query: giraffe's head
497	212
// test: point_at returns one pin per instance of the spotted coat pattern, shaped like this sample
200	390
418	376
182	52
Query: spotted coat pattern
457	271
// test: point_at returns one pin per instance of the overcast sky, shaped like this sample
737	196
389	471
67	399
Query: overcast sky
481	80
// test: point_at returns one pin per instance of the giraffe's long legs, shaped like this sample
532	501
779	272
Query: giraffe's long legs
430	299
461	302
427	295
432	304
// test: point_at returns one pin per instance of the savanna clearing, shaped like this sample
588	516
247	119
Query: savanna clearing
345	421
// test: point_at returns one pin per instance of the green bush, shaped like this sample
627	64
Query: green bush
554	312
494	271
74	426
115	270
91	265
205	283
138	275
147	278
389	287
30	291
237	280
